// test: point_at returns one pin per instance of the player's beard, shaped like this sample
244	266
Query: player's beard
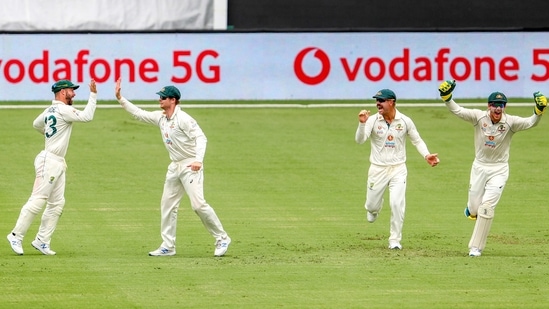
68	99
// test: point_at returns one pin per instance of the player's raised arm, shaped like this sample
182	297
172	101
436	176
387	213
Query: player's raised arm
93	86
117	88
363	115
541	103
446	88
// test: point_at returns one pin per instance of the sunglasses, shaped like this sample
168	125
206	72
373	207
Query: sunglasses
163	98
497	104
380	100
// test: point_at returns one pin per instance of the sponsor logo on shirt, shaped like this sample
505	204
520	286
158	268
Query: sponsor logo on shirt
389	143
490	142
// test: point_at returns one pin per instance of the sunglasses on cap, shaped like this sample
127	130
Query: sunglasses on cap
497	104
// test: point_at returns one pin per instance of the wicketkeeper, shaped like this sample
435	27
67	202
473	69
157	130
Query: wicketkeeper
490	171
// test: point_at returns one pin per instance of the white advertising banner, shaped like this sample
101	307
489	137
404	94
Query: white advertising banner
276	66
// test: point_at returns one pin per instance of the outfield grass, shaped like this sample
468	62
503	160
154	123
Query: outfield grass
289	187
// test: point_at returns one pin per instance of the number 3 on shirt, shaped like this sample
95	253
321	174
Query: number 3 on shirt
52	125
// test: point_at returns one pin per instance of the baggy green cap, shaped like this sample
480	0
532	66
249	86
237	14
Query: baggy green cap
63	84
170	92
385	94
497	97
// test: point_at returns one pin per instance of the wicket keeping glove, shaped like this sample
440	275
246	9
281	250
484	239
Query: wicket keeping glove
541	103
446	89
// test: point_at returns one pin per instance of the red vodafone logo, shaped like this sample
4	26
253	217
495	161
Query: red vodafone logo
313	66
323	59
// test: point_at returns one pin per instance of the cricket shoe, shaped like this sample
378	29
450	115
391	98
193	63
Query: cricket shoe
468	214
162	251
15	243
371	217
395	246
222	245
42	247
475	252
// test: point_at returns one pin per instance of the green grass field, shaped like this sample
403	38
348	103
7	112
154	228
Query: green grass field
289	187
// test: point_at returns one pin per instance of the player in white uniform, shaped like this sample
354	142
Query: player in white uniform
387	131
55	123
186	145
490	171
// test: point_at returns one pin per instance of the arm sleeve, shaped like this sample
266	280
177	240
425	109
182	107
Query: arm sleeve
416	139
87	114
469	115
39	123
521	123
201	142
364	130
191	128
138	113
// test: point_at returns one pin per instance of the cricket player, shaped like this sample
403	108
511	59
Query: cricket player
387	131
186	145
55	123
490	171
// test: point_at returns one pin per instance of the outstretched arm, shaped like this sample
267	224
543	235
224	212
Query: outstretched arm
446	90
74	115
117	88
541	103
138	113
127	105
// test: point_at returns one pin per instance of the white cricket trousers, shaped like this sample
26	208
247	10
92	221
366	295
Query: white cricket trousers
393	177
180	179
487	182
486	187
49	190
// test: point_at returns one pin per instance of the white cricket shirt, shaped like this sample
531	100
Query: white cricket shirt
55	122
181	134
388	142
492	140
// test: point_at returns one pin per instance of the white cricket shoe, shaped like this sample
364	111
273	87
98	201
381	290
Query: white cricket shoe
371	217
15	243
395	246
222	245
162	251
475	252
42	247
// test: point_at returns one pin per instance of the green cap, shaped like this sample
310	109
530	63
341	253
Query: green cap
63	84
170	92
385	94
497	97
